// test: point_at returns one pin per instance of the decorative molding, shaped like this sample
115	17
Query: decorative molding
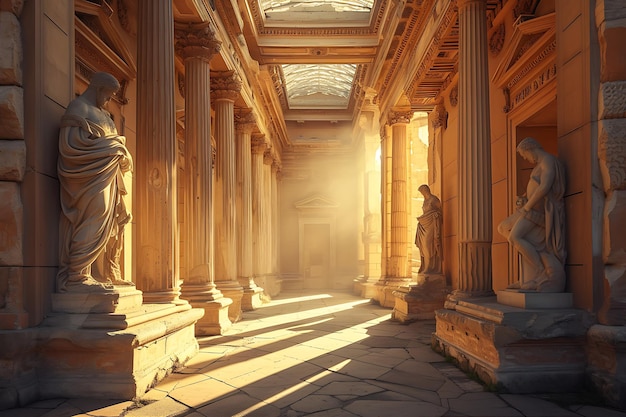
612	153
496	40
454	95
439	116
316	202
533	86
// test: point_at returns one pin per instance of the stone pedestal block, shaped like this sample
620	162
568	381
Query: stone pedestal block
120	299
540	300
520	350
419	302
82	359
606	347
384	291
251	299
215	320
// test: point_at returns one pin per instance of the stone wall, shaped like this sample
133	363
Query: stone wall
12	167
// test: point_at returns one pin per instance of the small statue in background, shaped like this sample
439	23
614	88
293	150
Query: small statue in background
92	161
537	228
428	235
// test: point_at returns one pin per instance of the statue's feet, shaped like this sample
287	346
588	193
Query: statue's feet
88	285
122	282
514	286
530	285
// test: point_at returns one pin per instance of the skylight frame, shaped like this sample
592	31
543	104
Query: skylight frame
318	86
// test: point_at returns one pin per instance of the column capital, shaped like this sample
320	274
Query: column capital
439	116
196	41
258	143
245	121
399	116
268	156
462	3
225	85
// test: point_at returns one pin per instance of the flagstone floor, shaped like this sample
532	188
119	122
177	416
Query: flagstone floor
320	354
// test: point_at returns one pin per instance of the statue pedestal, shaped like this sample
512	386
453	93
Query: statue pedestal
606	347
419	301
541	300
385	289
521	350
104	345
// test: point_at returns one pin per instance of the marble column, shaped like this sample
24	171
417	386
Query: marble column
258	247
196	44
474	154
395	209
225	87
266	221
398	268
275	232
244	126
155	209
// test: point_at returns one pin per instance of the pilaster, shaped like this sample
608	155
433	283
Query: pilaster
258	212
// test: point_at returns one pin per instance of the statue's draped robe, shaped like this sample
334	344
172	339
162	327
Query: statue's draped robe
91	159
428	239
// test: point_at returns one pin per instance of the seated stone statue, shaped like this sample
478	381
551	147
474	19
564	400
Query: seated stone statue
92	161
537	228
428	235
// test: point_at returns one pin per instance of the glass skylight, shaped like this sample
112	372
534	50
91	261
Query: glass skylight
318	85
276	6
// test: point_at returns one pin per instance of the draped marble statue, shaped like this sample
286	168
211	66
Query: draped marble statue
536	230
92	161
428	235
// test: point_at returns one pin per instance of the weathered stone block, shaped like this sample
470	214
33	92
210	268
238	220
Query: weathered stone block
612	153
10	50
606	347
12	160
11	112
11	230
612	101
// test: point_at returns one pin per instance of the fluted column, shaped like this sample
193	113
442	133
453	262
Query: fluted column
225	87
398	268
196	44
244	126
266	214
258	150
155	171
474	153
275	233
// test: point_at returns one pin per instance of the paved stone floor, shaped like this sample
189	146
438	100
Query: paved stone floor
322	354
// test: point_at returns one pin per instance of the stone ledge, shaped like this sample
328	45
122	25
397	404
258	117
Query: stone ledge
535	300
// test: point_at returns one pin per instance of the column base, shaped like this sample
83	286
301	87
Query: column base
234	291
520	350
607	356
419	301
272	285
384	290
364	288
80	360
251	299
215	320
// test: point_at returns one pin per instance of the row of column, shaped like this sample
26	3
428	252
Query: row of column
221	256
474	172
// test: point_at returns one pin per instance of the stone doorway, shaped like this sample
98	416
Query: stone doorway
316	256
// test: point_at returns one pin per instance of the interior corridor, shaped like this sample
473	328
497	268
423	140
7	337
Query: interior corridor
319	354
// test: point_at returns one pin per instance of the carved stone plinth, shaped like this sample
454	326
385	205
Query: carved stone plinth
543	300
251	299
419	301
520	350
215	320
606	347
122	298
384	291
117	356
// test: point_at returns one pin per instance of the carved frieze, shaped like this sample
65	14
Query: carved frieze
532	86
612	100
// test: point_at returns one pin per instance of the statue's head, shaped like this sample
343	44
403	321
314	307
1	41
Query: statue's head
528	148
424	189
105	86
